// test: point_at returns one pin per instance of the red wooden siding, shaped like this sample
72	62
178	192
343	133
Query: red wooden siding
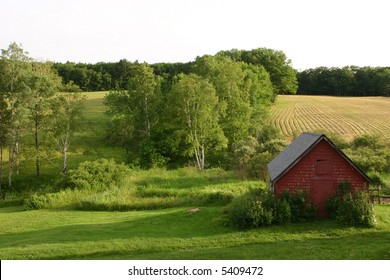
319	172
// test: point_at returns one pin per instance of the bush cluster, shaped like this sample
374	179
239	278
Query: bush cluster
63	199
98	174
371	153
259	208
90	176
251	155
351	208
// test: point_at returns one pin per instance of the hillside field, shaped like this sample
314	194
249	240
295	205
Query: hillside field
347	116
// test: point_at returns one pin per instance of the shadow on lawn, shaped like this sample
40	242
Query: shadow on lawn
178	223
202	235
309	249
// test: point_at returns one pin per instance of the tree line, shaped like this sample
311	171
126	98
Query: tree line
114	75
35	121
346	81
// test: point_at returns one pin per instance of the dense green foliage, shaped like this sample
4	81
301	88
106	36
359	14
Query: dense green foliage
115	75
36	122
352	208
196	117
98	174
371	153
251	155
251	210
282	75
346	81
258	208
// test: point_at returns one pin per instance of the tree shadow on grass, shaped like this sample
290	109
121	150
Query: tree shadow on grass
181	234
177	223
351	247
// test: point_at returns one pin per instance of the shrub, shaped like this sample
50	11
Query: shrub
257	167
351	208
378	180
282	213
300	209
97	174
150	157
251	210
36	202
251	155
64	198
243	151
356	210
370	153
258	208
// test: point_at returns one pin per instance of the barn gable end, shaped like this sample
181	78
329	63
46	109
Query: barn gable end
314	163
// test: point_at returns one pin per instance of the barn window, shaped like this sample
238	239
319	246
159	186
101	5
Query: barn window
323	167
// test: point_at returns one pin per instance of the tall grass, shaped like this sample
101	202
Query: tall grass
150	189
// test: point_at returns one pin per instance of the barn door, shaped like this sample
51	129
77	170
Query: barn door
321	190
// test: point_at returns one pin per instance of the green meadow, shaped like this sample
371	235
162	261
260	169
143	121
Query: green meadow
162	214
179	233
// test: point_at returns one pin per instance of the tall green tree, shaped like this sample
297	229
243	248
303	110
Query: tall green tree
234	107
14	68
4	119
282	74
42	84
192	105
66	119
139	105
145	96
261	94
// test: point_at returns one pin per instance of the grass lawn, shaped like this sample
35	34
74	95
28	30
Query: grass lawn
176	233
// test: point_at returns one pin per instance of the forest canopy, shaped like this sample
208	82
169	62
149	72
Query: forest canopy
346	81
114	75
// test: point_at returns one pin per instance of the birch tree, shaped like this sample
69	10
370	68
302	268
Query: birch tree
192	108
139	103
43	83
14	66
66	119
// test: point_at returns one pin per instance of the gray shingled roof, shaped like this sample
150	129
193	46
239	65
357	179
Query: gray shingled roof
292	153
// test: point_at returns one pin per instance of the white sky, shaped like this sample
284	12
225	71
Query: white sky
312	33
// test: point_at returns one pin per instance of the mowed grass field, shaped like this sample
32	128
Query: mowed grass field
178	233
346	116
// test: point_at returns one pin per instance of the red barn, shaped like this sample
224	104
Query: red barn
314	163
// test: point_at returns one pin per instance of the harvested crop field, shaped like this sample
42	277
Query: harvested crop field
347	116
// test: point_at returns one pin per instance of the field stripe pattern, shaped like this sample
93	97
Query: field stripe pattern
347	116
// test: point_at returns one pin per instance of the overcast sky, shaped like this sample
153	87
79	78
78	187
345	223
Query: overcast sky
312	33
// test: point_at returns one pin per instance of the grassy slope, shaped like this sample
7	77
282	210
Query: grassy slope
176	233
347	116
88	144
